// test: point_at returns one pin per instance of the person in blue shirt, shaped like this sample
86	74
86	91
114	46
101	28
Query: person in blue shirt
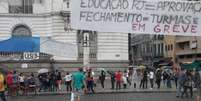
78	81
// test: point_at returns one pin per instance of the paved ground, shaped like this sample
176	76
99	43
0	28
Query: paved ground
107	97
107	90
131	89
99	89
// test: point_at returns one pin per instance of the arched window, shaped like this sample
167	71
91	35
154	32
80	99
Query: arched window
21	30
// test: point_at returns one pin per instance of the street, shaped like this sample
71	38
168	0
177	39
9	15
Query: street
107	97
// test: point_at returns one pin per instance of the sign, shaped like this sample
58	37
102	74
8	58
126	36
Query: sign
30	56
24	65
138	16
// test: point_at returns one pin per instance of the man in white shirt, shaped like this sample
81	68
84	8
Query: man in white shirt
68	80
151	77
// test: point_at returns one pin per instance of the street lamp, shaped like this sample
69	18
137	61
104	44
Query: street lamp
86	49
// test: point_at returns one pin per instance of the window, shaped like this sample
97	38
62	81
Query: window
181	56
162	47
171	47
198	55
68	4
168	47
21	30
189	56
159	49
21	6
68	19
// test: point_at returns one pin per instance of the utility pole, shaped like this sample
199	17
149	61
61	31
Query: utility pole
86	50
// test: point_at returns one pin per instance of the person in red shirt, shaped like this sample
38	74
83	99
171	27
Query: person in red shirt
9	79
118	77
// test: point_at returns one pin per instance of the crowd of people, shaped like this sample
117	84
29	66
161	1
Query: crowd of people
183	80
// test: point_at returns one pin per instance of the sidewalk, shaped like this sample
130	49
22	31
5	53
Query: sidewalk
107	90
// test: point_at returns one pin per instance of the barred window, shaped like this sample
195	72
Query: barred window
21	6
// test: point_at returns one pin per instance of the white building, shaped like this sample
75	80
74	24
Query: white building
51	18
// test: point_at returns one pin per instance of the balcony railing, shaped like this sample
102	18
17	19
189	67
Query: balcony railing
188	51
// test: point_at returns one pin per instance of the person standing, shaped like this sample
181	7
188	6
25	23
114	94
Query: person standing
180	82
197	81
118	77
164	76
21	79
134	78
145	77
2	87
22	84
151	78
52	81
15	83
169	78
112	77
188	84
124	78
158	78
68	80
141	78
78	80
90	82
32	83
9	79
102	78
176	76
58	81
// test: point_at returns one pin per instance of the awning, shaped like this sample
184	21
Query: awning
20	44
194	65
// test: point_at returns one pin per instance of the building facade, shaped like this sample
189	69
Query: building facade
146	49
169	47
51	18
188	48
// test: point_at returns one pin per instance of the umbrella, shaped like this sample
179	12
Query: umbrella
43	70
141	67
167	67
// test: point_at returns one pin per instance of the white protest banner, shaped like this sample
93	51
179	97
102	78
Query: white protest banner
137	16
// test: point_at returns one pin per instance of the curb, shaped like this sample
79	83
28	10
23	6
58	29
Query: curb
106	92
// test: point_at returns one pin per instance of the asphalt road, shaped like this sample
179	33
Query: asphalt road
107	97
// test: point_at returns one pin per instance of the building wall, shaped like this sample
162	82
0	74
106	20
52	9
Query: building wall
47	20
185	51
112	46
169	47
146	49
